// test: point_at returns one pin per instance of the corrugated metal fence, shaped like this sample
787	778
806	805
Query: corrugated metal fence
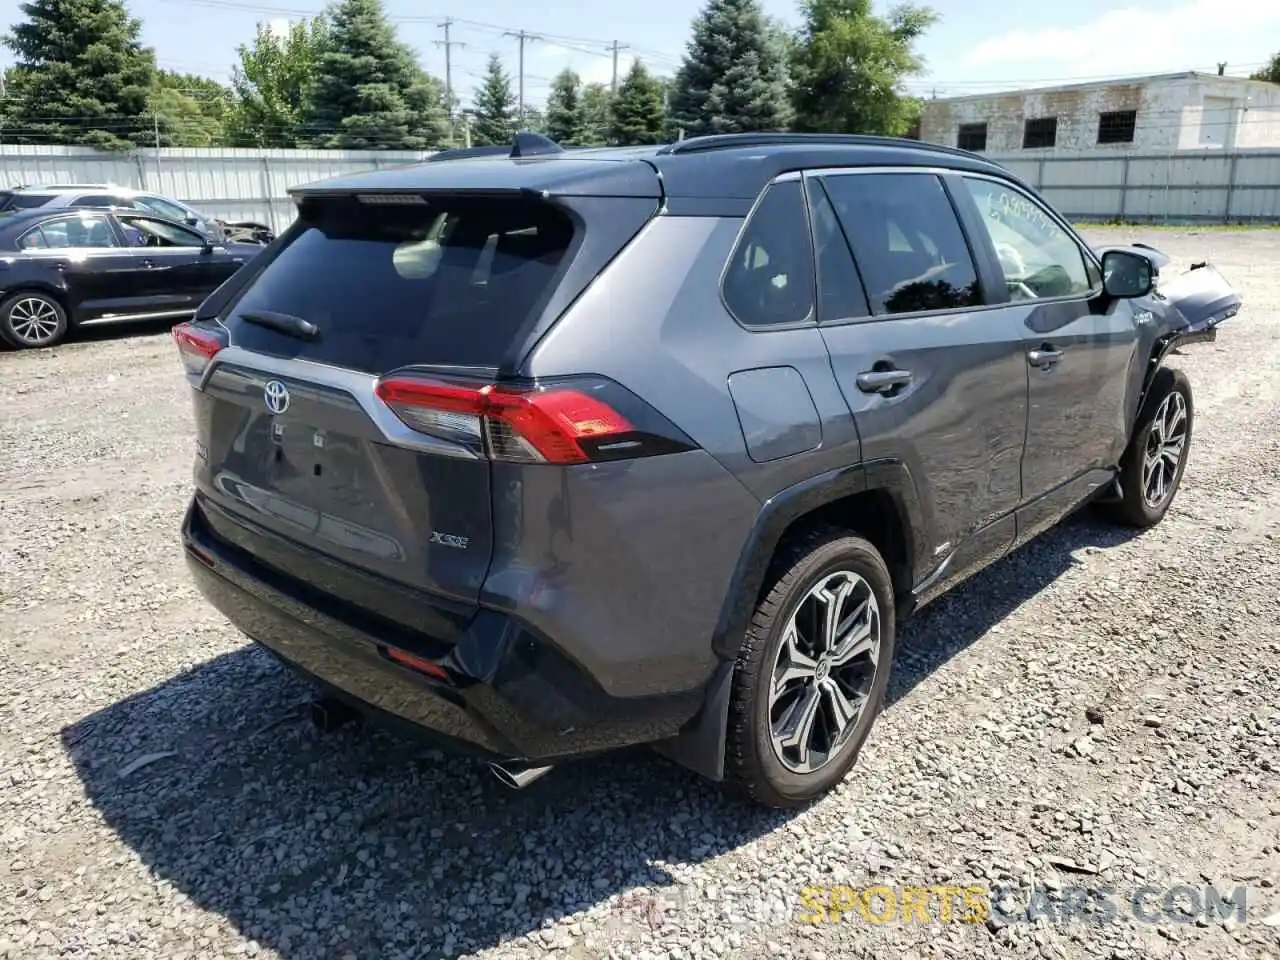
1189	186
231	184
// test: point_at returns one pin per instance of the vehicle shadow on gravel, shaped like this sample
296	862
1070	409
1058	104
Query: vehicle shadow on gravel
359	844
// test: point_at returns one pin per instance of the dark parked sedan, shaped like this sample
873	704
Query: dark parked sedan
61	269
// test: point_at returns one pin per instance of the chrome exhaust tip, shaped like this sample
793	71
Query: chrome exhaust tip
517	775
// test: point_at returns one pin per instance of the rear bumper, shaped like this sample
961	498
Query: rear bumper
506	692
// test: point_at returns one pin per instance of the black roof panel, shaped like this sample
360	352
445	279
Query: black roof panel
727	167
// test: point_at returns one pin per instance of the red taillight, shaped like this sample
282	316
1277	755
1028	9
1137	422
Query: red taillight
525	425
195	347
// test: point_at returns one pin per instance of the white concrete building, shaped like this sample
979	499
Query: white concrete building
1155	114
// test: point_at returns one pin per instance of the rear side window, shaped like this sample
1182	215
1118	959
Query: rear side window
69	232
769	280
27	201
100	201
907	241
390	284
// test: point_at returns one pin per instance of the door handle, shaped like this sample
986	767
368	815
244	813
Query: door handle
1044	357
59	265
149	264
883	381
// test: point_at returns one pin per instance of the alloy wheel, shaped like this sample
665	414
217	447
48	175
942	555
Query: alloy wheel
824	671
34	321
1166	446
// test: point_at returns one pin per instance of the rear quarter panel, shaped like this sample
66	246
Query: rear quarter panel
628	564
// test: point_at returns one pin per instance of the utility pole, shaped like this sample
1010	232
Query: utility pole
155	126
615	47
522	37
448	70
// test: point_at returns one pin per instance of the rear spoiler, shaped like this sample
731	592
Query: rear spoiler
524	145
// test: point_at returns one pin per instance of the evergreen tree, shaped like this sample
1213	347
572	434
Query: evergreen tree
273	83
594	115
369	92
84	77
564	116
637	109
494	120
848	65
732	78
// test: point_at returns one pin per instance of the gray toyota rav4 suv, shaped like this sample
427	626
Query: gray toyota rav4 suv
552	451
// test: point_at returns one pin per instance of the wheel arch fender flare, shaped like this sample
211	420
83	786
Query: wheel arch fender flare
700	746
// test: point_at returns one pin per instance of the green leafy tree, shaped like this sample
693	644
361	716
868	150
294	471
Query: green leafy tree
595	116
637	109
731	79
273	83
369	92
1271	72
83	77
848	66
564	103
533	121
494	103
189	111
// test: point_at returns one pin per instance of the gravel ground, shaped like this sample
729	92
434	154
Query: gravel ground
1098	711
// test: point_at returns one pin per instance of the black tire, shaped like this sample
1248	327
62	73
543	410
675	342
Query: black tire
17	329
1134	508
754	768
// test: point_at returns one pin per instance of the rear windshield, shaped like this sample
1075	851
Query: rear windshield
389	284
23	201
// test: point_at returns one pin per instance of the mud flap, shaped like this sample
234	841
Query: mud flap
700	746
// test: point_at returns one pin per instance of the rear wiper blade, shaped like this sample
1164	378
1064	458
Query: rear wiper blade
285	323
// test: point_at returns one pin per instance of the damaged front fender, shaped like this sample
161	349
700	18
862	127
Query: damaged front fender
1183	308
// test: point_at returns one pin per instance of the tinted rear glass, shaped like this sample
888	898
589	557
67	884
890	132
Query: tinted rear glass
392	284
26	201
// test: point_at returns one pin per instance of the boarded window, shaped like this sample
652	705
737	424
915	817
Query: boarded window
972	136
1117	126
1040	132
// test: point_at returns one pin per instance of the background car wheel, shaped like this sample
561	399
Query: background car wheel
29	320
1157	455
812	671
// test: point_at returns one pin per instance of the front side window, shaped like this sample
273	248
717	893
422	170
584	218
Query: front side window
69	232
770	276
1037	257
145	232
906	240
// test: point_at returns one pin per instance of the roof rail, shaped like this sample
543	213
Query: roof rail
729	141
524	145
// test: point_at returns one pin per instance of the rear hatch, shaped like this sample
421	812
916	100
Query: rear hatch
304	465
307	460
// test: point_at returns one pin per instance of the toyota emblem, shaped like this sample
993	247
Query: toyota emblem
276	396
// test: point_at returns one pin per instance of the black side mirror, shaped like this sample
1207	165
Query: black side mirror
192	221
1126	275
208	247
